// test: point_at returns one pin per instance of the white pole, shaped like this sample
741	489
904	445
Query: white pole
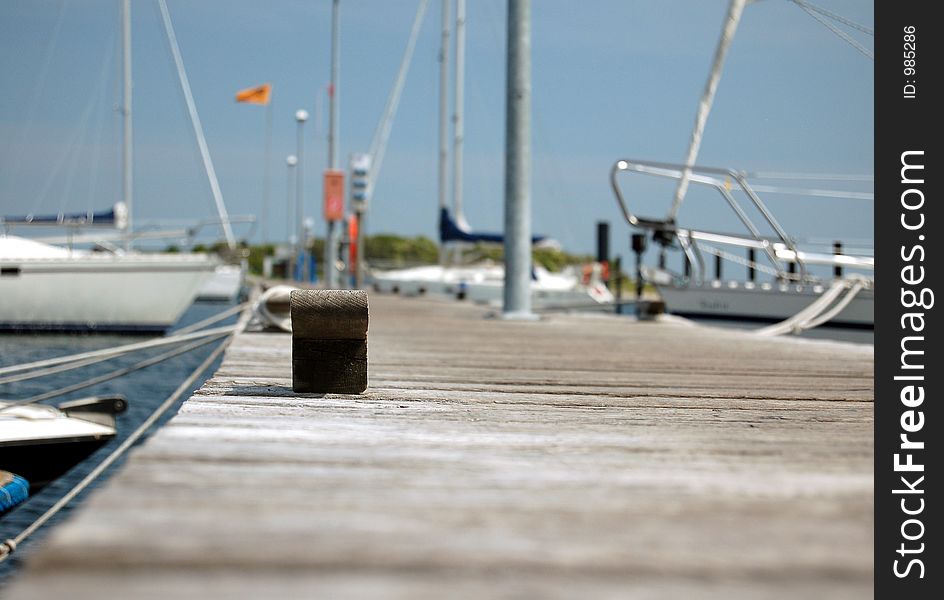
127	177
290	161
301	116
444	105
458	124
266	176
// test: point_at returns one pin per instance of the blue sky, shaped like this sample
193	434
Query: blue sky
611	79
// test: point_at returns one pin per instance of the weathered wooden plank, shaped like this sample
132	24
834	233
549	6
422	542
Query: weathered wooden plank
577	456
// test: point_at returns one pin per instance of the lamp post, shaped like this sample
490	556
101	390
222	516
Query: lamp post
290	161
301	115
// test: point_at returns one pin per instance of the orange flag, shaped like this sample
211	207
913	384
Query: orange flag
255	95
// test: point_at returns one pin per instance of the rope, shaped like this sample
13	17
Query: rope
114	374
838	307
211	320
84	363
816	313
262	314
10	545
103	354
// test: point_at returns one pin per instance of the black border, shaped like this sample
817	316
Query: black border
903	124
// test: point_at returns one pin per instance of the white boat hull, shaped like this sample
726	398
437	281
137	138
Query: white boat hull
122	293
484	284
223	285
770	302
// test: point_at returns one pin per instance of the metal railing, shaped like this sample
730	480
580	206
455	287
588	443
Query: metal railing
779	250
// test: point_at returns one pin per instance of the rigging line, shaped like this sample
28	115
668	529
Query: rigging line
738	259
77	152
810	176
197	126
9	546
99	137
834	16
378	144
37	90
109	352
52	174
841	34
820	193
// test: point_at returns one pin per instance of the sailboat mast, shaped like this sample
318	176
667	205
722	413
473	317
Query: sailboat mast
459	125
735	9
444	105
127	181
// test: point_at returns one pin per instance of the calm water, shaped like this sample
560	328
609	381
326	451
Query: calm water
145	390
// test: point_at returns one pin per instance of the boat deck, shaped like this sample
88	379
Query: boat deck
579	456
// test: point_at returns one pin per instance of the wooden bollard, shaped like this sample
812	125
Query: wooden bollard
329	341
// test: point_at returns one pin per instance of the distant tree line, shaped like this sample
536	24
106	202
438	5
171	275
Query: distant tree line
393	250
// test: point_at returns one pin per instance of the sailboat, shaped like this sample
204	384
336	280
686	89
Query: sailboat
479	282
109	289
797	298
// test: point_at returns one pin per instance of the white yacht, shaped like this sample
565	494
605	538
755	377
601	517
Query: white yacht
46	287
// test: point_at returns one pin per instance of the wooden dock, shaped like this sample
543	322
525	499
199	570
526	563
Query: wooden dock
582	456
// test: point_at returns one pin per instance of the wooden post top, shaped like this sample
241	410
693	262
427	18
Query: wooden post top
329	314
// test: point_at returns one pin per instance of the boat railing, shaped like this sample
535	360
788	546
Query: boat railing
786	261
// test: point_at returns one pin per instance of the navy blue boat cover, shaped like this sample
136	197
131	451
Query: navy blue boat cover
449	231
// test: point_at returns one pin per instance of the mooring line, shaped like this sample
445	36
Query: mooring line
114	374
103	354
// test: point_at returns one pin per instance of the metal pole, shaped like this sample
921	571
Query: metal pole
127	177
290	162
359	267
517	292
751	263
301	116
266	175
837	269
458	123
331	250
618	270
444	105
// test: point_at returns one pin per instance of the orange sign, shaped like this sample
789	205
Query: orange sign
333	195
